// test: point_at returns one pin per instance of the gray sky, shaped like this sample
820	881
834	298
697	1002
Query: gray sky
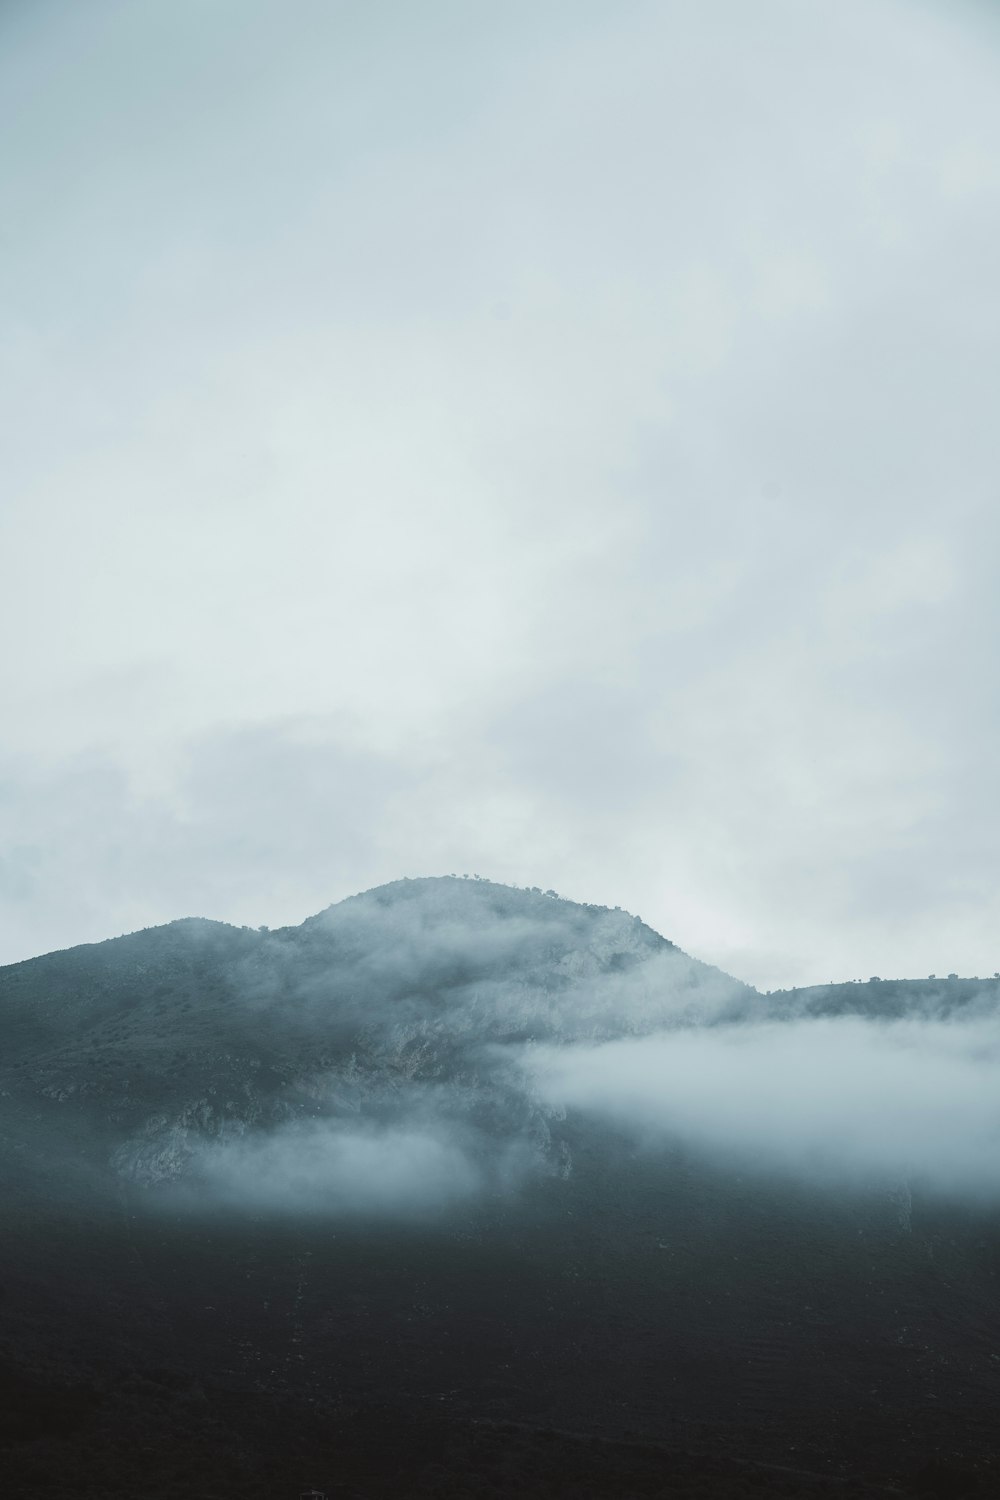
555	440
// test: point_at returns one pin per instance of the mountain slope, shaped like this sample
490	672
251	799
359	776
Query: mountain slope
315	1172
197	1030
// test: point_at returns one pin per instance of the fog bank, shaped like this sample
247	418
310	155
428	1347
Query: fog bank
832	1100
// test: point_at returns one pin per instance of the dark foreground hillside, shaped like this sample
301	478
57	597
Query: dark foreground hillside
285	1210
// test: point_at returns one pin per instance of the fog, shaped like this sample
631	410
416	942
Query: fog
424	961
834	1101
312	1167
840	1103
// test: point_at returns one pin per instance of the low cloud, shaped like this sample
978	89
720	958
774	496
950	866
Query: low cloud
831	1100
318	1167
420	1044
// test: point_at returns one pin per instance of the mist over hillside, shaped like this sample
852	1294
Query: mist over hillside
455	1141
420	1043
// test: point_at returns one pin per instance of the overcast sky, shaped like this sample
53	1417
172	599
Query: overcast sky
552	440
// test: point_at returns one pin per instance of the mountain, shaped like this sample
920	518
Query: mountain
318	1205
